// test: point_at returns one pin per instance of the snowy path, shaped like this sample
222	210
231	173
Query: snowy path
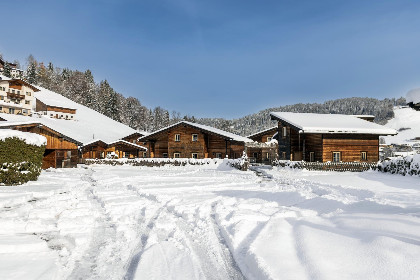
203	223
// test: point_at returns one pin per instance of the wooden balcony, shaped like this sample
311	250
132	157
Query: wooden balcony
15	95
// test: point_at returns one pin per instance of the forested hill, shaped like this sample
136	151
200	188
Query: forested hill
81	87
381	109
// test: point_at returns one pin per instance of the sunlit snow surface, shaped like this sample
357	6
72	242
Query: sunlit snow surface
198	222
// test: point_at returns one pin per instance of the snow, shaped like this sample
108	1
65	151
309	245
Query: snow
53	99
407	122
200	222
262	131
89	124
210	129
29	138
332	123
413	96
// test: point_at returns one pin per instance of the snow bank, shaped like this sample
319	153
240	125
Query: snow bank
29	138
413	96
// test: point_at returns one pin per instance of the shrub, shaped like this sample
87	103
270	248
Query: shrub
19	162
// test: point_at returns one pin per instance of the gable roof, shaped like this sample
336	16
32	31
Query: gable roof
51	98
4	124
4	78
89	124
224	134
331	123
263	132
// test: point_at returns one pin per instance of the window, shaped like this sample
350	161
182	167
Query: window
336	156
1	108
284	131
102	155
177	155
283	155
165	155
27	102
195	137
267	155
363	156
126	154
1	97
311	156
269	139
194	155
18	91
28	93
11	111
51	115
177	137
218	155
255	155
71	116
13	91
145	154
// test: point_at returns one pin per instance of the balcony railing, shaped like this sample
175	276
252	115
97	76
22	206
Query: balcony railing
12	95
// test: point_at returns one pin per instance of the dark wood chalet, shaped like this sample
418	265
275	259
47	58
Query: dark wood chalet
328	137
61	151
191	140
263	150
122	149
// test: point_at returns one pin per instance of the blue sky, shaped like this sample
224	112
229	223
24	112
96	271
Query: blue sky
225	58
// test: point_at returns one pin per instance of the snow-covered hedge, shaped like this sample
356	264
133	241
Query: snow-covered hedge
409	165
151	162
21	156
327	166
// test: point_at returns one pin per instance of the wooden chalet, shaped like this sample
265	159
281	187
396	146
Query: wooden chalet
98	149
56	112
191	140
263	150
328	137
61	151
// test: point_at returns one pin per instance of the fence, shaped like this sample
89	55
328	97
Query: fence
240	164
328	166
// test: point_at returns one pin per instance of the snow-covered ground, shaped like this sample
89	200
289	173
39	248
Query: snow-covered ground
206	222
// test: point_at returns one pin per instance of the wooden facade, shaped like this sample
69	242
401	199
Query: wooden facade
40	106
323	147
133	138
184	140
60	151
121	148
263	153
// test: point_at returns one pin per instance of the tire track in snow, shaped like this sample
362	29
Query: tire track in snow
208	248
104	234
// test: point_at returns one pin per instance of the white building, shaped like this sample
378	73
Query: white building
16	96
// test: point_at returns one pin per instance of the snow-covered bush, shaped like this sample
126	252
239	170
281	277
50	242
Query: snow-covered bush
409	165
327	166
21	156
241	163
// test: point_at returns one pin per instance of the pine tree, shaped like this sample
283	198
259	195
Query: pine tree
7	70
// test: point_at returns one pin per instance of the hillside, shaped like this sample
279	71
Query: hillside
381	109
407	123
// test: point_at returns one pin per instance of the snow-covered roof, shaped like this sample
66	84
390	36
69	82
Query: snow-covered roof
4	78
225	134
128	144
261	132
413	96
53	99
331	123
90	125
29	138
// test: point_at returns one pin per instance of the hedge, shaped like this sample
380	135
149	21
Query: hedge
19	162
